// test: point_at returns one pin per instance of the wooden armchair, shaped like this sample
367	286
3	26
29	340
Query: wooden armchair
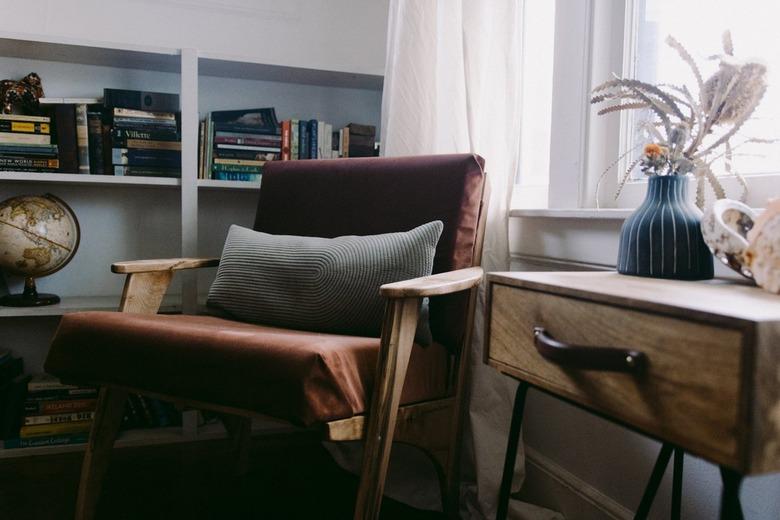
417	394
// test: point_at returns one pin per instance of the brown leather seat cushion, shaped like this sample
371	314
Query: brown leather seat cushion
303	377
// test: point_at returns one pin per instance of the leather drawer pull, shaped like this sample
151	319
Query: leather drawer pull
588	358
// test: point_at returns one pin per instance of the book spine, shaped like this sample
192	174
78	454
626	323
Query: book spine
236	168
143	114
238	162
137	100
152	158
236	176
55	407
16	138
12	404
144	171
202	150
144	144
82	138
247	155
168	134
255	139
345	142
37	150
53	394
31	420
321	140
51	440
149	125
313	139
95	138
29	119
39	430
303	150
286	140
25	127
328	141
209	144
24	162
294	143
67	145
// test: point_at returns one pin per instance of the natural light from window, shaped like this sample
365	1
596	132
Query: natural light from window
699	26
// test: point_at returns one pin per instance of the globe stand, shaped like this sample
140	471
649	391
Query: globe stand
29	298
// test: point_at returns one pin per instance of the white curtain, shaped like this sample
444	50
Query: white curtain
452	85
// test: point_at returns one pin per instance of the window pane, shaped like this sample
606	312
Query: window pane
537	75
699	26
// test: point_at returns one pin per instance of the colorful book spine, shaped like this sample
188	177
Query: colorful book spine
321	140
286	136
153	158
24	162
52	394
146	144
95	138
29	119
143	114
32	420
29	150
294	139
37	407
236	176
24	127
53	440
39	430
82	137
237	168
17	138
238	162
119	134
144	171
250	139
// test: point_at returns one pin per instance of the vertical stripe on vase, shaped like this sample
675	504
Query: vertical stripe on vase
681	203
674	229
639	232
659	201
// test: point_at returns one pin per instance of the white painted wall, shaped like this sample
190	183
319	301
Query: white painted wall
341	35
612	459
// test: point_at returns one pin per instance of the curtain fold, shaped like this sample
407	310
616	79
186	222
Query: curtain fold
452	85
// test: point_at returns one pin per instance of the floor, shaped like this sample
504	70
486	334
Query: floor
291	477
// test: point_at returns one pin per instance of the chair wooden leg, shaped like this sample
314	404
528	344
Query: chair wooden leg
397	339
108	418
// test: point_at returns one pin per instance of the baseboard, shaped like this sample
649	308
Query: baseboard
549	485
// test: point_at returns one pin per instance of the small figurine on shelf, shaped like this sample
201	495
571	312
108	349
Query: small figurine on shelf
21	96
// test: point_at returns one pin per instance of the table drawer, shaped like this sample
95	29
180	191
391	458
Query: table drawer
688	394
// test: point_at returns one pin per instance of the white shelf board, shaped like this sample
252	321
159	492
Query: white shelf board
593	214
211	184
226	66
156	437
99	180
88	52
78	304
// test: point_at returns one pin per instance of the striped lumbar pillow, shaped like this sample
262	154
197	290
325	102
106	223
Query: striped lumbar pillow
318	284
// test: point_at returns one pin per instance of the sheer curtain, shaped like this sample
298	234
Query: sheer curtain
452	85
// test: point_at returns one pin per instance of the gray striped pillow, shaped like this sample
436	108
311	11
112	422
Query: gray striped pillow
318	284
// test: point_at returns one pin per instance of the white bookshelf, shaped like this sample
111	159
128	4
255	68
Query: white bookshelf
211	184
96	180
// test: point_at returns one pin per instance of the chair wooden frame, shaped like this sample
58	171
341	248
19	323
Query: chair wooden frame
434	426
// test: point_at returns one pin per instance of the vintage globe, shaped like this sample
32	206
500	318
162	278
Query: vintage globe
38	236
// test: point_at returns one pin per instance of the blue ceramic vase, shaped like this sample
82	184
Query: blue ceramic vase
662	238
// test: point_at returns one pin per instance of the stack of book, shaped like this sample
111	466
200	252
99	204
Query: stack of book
143	142
360	140
308	139
25	144
13	388
236	144
55	413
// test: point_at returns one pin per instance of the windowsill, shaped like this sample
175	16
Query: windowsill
581	213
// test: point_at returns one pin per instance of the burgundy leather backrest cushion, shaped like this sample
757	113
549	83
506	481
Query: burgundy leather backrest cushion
368	196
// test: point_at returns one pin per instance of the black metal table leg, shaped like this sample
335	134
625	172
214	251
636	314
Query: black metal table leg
730	506
655	480
679	455
511	451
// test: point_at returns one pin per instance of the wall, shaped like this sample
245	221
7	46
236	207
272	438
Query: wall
598	456
341	35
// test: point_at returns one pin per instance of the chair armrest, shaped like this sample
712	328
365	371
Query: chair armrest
434	285
165	264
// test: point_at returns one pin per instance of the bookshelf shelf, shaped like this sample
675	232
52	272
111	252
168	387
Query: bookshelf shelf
97	180
210	184
156	437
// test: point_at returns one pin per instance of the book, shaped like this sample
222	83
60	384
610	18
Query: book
252	120
143	114
24	127
167	134
154	158
65	135
152	125
29	119
238	162
345	142
140	100
327	141
40	382
336	143
17	138
248	155
286	140
248	139
25	164
237	168
202	150
29	150
31	420
39	430
38	407
294	144
50	440
95	139
236	176
358	129
303	139
313	139
146	144
68	101
146	171
321	140
209	145
82	138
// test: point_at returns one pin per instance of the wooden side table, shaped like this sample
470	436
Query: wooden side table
695	365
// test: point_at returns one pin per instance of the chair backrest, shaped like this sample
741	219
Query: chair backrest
367	196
